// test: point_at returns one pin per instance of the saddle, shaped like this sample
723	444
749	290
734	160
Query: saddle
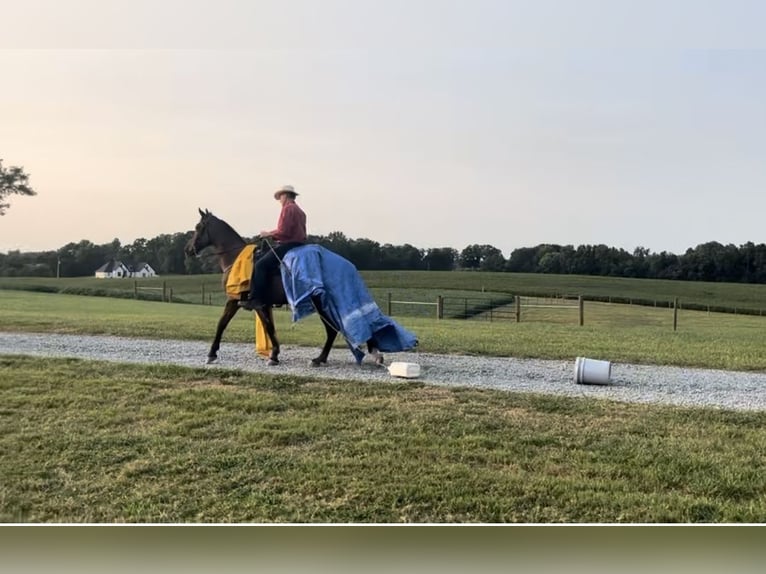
238	280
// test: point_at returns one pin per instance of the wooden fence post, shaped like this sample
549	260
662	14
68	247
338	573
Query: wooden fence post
518	308
135	289
581	305
439	307
164	286
388	306
675	314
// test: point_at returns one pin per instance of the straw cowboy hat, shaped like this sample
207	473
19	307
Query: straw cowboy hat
285	189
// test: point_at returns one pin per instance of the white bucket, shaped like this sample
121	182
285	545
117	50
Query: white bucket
405	370
592	371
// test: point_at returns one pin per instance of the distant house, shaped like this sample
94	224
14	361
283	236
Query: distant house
142	269
112	269
117	269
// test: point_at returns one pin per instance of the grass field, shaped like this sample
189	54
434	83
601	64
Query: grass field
429	284
83	442
620	333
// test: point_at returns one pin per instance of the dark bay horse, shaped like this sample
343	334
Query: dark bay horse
228	244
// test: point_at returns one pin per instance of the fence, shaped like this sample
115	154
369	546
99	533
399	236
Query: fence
516	308
490	309
207	296
509	308
520	308
165	293
438	305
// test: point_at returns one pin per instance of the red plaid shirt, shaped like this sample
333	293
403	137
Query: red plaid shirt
291	227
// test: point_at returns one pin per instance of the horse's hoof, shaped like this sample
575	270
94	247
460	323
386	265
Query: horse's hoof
380	360
317	362
211	360
272	362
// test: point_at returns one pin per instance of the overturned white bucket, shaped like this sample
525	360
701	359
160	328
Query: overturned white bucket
404	370
591	371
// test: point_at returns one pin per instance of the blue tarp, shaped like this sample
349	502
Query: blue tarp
313	270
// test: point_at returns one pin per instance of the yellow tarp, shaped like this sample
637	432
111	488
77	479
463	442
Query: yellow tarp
262	341
240	273
238	282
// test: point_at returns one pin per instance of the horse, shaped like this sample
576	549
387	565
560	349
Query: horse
228	244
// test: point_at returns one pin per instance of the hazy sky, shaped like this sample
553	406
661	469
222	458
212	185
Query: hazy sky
438	124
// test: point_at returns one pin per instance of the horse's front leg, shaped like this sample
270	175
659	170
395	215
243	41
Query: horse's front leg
267	318
229	310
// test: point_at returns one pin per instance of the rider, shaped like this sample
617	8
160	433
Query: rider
290	232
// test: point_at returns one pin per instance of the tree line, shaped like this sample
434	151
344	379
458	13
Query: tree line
710	261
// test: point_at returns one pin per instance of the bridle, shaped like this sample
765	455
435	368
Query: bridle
216	252
204	238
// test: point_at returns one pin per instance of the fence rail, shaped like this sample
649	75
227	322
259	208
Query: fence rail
511	307
165	292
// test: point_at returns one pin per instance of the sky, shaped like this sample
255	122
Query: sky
433	123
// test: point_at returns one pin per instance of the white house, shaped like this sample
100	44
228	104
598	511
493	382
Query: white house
112	269
117	269
143	270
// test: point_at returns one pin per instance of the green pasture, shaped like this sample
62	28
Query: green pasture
620	333
429	284
208	290
99	443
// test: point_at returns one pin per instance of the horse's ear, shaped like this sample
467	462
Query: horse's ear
201	213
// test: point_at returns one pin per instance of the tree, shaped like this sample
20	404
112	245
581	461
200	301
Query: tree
440	259
13	180
473	256
493	262
470	257
550	262
364	253
400	257
523	260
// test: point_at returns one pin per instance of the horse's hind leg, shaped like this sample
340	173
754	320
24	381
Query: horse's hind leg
330	333
229	310
375	353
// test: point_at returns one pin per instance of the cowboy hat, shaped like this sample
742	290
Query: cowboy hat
284	189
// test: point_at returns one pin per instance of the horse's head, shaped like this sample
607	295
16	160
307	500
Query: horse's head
201	236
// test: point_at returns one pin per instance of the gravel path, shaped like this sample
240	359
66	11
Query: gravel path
630	383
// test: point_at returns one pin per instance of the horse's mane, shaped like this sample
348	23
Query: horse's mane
227	227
